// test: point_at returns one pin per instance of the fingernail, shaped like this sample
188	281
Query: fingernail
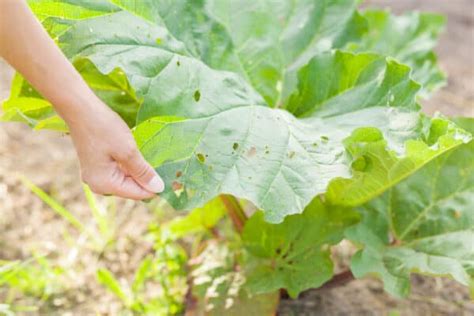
156	185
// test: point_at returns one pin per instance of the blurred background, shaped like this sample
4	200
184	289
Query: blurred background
60	275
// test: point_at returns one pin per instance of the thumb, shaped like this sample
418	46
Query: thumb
140	170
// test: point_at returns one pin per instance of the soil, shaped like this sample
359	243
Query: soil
48	160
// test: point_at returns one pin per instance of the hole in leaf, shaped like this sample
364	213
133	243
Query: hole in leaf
197	95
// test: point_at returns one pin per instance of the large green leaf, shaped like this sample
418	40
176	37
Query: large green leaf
214	129
266	45
25	105
269	153
295	254
273	39
334	84
265	41
425	224
410	38
157	66
375	167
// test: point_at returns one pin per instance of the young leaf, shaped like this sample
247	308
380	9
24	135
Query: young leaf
295	254
198	220
430	218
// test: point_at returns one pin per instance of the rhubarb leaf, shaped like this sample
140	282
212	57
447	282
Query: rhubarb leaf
294	254
269	153
424	225
410	38
217	128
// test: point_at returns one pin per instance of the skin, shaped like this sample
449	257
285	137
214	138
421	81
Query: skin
109	158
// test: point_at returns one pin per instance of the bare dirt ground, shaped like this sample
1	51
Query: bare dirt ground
48	160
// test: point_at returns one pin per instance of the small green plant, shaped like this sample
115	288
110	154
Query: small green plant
159	285
36	277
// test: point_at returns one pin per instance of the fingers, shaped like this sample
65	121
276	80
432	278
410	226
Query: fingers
115	182
138	168
130	189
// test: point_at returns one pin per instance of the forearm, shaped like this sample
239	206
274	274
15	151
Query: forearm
28	48
110	160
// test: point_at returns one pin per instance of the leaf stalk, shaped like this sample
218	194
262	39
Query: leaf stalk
235	211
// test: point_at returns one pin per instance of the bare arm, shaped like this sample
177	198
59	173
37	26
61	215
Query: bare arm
110	160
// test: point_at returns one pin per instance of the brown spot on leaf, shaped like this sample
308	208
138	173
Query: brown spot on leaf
179	173
176	186
252	152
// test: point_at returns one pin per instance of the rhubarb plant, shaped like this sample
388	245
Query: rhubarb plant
307	111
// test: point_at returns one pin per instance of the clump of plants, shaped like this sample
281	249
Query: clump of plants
284	127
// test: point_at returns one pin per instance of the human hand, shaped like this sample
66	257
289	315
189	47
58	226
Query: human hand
109	158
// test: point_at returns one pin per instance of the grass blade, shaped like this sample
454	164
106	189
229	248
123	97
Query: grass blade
55	205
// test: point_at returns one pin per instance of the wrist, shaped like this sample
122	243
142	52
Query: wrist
80	108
